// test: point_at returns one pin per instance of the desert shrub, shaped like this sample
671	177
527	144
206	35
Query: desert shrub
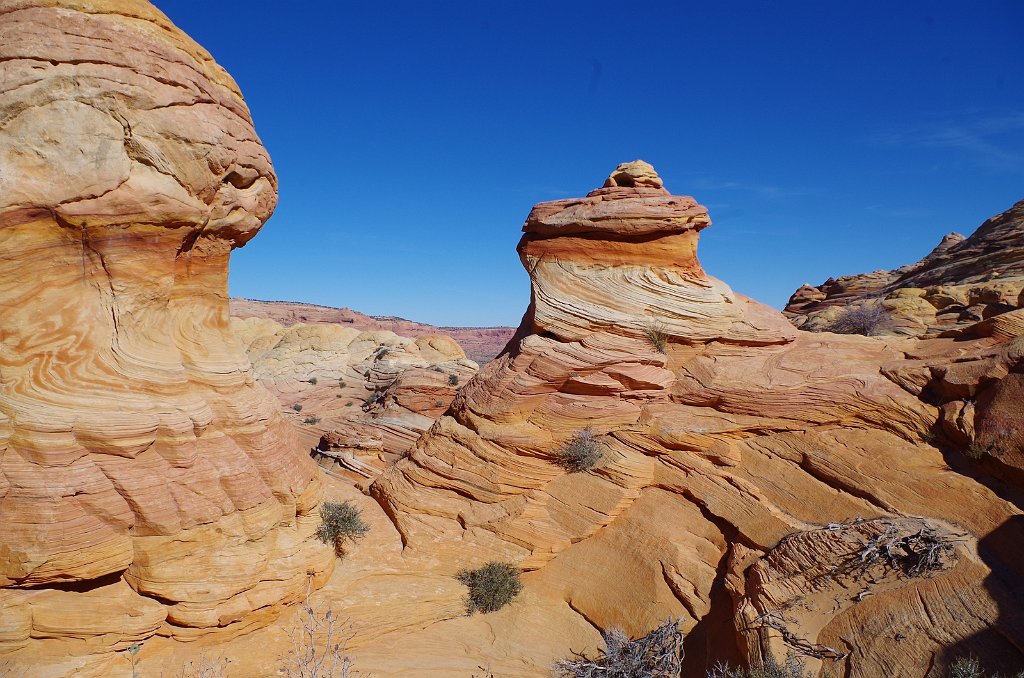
581	453
975	450
437	368
341	383
312	380
438	403
340	522
491	587
914	555
793	667
970	667
205	667
868	320
348	404
297	407
318	645
656	335
453	379
311	419
659	654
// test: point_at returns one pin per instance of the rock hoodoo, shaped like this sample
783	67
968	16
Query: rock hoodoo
147	484
748	477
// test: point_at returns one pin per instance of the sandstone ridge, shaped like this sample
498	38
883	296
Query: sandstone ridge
959	288
481	344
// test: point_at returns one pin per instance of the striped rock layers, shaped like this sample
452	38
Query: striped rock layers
749	474
147	483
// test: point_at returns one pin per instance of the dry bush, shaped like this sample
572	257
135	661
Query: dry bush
970	667
869	320
656	335
793	667
205	668
340	522
453	380
491	587
318	645
659	654
311	419
914	555
581	453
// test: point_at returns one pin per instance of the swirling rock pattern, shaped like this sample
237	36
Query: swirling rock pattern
739	434
147	483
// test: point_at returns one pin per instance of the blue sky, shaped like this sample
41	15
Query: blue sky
412	138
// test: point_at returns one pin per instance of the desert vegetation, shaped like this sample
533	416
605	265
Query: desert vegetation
659	654
581	453
656	335
340	522
915	555
453	379
318	645
869	320
491	587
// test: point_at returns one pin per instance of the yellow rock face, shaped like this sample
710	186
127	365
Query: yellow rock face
137	454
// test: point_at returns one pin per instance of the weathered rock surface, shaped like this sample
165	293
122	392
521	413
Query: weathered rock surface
147	483
481	344
361	398
957	289
743	468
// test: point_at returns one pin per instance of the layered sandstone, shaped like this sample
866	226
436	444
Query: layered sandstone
481	344
957	286
147	483
361	398
746	469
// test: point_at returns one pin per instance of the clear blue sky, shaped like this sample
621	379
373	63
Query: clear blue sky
412	138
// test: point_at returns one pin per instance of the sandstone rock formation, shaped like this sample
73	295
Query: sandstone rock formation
147	483
780	491
481	344
362	398
960	284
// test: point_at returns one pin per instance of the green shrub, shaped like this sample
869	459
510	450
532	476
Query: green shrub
659	654
491	587
656	336
581	453
340	522
453	379
297	407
